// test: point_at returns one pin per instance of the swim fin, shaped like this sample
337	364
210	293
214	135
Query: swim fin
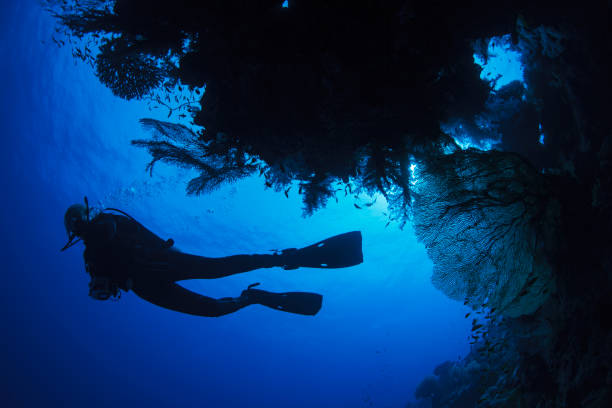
339	251
304	303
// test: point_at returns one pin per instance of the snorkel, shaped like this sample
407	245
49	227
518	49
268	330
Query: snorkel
72	216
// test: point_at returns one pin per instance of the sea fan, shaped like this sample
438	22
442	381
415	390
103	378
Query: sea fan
487	220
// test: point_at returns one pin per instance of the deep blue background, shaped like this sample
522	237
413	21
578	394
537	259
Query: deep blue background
382	328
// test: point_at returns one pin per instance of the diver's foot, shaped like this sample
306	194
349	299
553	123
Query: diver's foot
253	296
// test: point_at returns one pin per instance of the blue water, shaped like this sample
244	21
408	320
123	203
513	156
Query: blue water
503	64
382	328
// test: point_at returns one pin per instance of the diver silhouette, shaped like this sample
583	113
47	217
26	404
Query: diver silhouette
121	254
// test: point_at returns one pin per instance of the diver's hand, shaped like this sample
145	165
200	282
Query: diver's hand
246	291
250	294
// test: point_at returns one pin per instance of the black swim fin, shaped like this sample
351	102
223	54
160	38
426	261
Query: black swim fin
339	251
304	303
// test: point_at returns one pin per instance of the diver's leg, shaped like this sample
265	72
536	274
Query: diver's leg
172	296
339	251
186	266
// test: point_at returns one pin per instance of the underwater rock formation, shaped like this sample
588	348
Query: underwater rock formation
559	354
329	108
531	361
453	385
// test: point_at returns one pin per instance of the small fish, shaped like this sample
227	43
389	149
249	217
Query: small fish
478	326
387	224
465	302
268	184
287	192
467	315
356	206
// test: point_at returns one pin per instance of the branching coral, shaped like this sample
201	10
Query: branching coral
216	161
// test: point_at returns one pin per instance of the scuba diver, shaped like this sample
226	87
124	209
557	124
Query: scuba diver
121	254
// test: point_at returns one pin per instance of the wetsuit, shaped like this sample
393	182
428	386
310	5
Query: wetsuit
122	254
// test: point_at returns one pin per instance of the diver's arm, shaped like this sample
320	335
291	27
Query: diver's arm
172	296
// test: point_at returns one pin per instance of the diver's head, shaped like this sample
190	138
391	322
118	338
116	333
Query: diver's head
75	219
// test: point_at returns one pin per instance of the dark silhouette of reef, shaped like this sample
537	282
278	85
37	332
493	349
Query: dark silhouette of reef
343	97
